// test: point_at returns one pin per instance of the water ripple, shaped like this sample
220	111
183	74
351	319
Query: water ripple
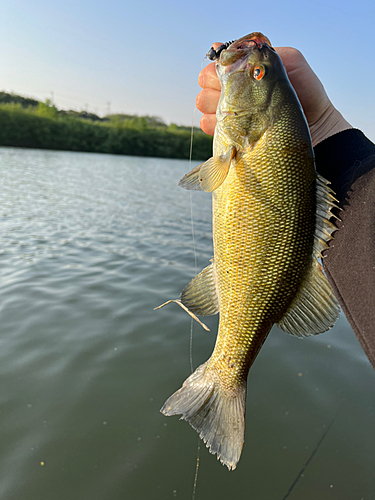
89	245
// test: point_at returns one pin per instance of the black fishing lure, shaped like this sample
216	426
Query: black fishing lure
213	54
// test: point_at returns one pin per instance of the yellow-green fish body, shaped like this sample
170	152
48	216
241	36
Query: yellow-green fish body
270	223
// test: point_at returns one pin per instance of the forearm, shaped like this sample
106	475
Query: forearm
348	160
330	123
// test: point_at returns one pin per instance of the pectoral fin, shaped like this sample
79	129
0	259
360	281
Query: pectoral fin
209	175
215	170
190	181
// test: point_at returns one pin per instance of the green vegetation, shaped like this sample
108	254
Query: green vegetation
17	99
26	122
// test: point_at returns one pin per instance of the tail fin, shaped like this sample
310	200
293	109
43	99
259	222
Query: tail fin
218	415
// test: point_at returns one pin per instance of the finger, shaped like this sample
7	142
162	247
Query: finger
309	88
208	78
292	58
208	123
207	100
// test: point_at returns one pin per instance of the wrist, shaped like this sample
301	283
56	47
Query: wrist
331	122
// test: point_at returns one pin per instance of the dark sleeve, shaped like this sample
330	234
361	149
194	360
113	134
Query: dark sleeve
347	160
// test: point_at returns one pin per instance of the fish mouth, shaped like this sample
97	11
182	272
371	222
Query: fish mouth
234	56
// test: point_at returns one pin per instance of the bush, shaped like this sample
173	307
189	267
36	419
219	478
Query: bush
44	127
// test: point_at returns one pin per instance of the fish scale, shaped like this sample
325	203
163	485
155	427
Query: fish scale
271	216
243	245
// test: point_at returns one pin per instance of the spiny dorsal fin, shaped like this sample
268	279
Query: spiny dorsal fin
209	175
200	295
315	309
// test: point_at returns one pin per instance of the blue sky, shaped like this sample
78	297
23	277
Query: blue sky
144	56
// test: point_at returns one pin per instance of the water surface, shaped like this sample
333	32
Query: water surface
89	245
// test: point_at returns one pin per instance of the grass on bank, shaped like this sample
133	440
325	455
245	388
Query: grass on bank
26	122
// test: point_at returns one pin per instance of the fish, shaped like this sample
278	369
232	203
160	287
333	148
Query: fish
271	216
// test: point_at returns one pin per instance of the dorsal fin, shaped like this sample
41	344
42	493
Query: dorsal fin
315	309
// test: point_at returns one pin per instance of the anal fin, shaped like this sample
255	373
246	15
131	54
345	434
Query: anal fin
199	296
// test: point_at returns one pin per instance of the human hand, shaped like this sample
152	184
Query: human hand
322	117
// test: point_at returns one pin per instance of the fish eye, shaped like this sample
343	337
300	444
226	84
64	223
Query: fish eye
258	72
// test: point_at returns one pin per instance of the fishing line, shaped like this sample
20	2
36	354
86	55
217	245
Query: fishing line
311	456
195	273
193	236
196	468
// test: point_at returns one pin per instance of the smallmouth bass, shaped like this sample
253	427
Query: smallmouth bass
271	214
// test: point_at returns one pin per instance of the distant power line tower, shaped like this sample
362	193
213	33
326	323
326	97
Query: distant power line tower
108	107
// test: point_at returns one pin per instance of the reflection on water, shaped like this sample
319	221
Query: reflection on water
89	244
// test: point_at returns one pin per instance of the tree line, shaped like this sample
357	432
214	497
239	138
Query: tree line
26	122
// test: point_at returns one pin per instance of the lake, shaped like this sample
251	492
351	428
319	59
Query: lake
89	245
